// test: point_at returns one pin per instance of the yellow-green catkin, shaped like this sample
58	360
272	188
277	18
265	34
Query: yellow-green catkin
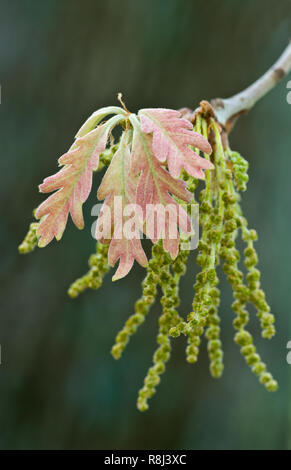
30	241
143	305
239	169
93	279
168	279
243	293
256	294
106	157
206	299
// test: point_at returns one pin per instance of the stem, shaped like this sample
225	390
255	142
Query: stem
229	109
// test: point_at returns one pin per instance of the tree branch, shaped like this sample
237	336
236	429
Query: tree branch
229	109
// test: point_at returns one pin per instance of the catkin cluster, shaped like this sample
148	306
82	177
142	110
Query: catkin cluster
222	223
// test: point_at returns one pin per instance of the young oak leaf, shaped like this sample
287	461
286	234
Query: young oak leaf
97	117
162	215
72	183
118	188
172	138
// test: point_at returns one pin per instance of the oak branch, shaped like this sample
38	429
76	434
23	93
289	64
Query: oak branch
227	110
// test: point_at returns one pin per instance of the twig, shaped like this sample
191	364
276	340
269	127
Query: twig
229	109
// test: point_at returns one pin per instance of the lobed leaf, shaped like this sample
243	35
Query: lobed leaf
155	189
118	182
172	138
72	183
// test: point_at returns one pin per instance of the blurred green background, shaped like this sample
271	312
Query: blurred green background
59	386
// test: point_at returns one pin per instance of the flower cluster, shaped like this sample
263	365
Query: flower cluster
158	151
30	241
93	279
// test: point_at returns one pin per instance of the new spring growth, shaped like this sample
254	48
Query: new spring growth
160	159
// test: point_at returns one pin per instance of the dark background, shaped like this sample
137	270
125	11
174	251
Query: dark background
59	386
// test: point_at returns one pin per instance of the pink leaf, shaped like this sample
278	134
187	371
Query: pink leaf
172	138
72	184
154	193
118	187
